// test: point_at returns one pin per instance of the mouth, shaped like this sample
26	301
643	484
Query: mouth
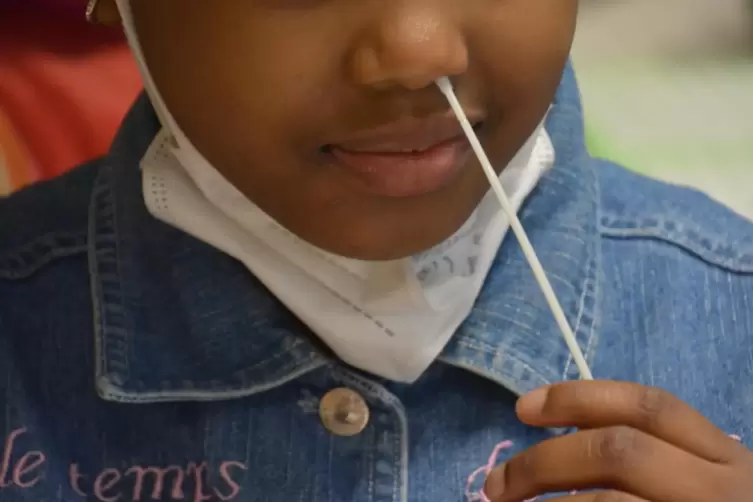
406	160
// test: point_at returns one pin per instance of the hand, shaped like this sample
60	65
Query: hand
634	444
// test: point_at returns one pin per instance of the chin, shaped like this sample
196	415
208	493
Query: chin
394	245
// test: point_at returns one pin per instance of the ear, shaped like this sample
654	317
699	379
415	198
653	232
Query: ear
103	12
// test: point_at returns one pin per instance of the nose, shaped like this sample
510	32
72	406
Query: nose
409	45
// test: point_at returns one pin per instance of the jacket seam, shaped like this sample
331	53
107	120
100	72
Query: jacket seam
25	260
709	248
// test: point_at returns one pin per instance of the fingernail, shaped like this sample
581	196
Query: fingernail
533	402
494	486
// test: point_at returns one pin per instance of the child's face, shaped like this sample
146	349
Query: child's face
276	92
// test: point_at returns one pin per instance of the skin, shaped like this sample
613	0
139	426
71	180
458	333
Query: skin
272	81
634	444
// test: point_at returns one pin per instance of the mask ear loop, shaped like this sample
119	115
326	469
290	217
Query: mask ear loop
538	270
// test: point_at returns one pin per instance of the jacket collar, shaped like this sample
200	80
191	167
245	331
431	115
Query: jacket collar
178	320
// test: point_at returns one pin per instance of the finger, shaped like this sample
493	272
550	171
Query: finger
608	496
618	458
596	404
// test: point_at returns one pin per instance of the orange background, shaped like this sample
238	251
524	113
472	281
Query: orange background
64	88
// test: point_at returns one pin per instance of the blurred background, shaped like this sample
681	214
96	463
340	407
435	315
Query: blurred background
667	86
64	88
668	90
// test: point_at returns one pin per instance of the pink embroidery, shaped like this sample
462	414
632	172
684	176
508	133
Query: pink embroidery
105	485
472	496
480	496
158	484
27	472
167	483
74	478
29	464
235	488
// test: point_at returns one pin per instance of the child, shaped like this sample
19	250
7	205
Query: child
288	281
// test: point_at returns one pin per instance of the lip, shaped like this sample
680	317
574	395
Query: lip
407	158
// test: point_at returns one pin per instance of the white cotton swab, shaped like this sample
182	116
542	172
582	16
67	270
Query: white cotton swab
538	271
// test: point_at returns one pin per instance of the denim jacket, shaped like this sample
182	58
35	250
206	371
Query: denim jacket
137	363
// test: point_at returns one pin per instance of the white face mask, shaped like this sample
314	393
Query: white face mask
388	318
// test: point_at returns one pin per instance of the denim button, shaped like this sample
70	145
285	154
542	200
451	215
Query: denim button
344	412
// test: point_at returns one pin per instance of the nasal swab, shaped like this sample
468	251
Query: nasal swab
538	271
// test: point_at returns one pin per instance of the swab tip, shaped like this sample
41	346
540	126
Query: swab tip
444	85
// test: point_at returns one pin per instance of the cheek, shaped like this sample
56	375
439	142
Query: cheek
247	103
263	143
267	168
522	47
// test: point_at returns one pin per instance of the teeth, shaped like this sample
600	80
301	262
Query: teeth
401	149
412	150
387	149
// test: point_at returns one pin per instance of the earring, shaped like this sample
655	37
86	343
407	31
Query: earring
91	11
102	12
